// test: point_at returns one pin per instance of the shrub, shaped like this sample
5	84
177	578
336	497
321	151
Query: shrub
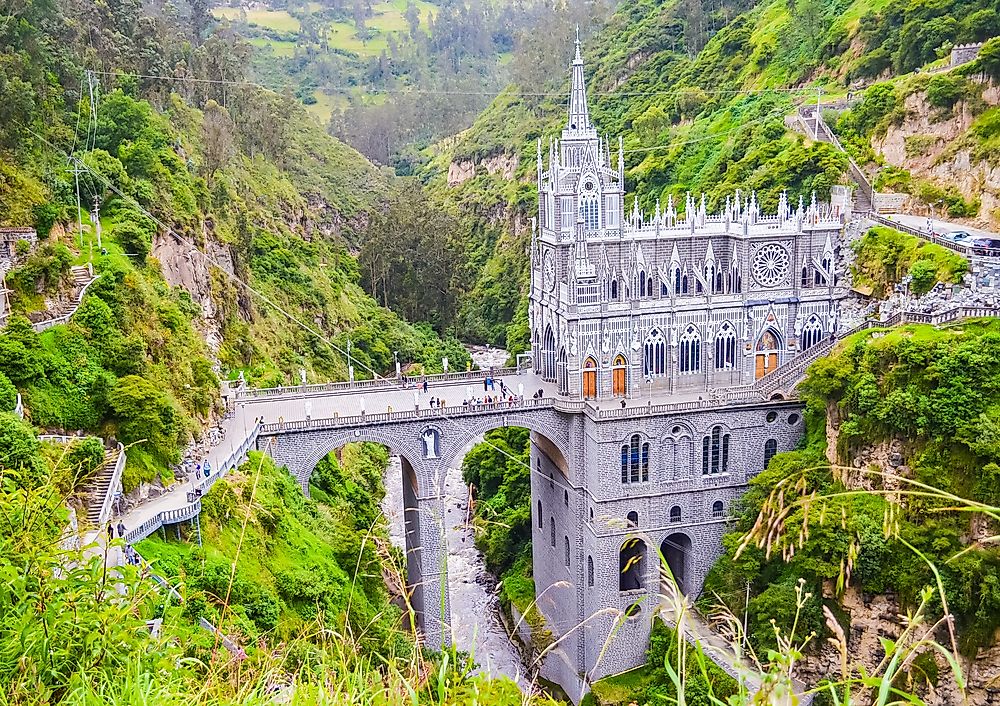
85	456
8	394
944	90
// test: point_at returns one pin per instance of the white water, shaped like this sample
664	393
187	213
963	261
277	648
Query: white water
475	612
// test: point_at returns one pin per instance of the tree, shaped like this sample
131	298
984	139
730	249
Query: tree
19	450
216	138
146	416
989	58
412	15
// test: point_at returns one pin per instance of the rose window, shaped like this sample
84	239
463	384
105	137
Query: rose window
770	265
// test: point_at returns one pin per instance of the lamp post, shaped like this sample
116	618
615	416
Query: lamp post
350	363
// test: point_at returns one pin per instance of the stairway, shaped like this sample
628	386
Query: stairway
814	125
99	485
81	276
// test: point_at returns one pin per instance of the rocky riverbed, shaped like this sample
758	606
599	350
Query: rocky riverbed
475	611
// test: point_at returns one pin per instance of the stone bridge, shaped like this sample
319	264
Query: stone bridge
616	485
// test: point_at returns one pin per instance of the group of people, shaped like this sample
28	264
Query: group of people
437	402
131	555
511	400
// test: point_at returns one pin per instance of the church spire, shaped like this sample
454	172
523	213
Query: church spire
579	116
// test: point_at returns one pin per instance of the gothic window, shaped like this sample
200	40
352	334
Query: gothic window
725	347
663	290
812	333
588	212
677	281
718	282
684	284
715	452
590	571
675	514
632	518
635	460
710	276
738	279
541	520
642	284
770	449
718	510
819	278
549	354
805	276
697	286
654	362
690	350
552	531
614	289
566	498
566	551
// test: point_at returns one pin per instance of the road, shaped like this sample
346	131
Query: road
920	223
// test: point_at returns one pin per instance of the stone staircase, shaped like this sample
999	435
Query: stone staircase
82	277
813	124
101	487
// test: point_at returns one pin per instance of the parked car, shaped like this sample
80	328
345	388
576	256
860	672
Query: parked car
991	243
957	236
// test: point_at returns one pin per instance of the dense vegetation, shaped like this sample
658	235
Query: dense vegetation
885	256
930	395
278	572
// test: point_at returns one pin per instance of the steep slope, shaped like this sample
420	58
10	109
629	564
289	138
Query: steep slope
192	192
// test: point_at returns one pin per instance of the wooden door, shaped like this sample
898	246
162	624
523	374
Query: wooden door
766	362
618	387
590	384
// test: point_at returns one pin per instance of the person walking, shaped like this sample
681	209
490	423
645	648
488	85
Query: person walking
425	386
121	529
111	532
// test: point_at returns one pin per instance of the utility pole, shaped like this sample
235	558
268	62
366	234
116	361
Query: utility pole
79	215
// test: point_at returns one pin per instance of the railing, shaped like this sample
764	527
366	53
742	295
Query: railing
966	250
377	383
414	414
49	323
190	510
116	479
19	406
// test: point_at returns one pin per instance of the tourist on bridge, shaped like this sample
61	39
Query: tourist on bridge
425	385
121	529
111	531
207	468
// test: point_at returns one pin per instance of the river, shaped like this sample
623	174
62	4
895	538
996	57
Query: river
475	611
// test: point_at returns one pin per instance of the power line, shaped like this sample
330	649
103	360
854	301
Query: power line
443	92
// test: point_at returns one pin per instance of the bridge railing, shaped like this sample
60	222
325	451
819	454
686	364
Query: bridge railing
378	383
415	414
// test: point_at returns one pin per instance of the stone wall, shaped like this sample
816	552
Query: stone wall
964	53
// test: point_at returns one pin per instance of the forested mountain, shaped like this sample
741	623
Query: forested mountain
700	91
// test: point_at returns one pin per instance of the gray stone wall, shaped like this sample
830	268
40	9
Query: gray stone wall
964	53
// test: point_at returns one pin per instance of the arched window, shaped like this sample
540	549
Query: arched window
631	564
675	514
541	519
770	449
614	289
590	571
738	279
663	290
588	212
635	460
566	498
552	531
718	510
566	551
725	347
690	350
718	282
715	452
684	284
677	280
642	284
812	333
632	519
710	275
819	278
805	276
619	376
654	360
549	355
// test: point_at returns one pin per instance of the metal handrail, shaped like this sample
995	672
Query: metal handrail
966	250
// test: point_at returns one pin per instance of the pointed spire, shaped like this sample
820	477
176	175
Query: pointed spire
675	258
579	115
671	211
703	210
783	206
710	253
621	160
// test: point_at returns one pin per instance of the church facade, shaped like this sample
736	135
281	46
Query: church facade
680	306
624	304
